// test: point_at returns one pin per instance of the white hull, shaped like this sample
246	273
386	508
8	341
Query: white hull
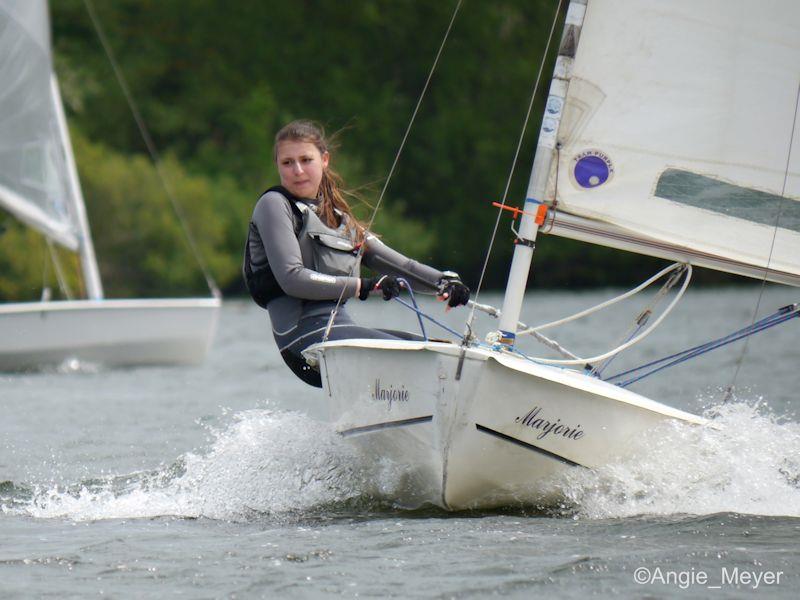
109	332
478	442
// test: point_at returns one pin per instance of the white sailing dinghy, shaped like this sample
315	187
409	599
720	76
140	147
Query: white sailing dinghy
39	185
671	130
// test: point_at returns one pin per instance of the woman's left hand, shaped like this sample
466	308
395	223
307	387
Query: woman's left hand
453	290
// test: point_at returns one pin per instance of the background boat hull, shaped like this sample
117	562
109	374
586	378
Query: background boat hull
109	332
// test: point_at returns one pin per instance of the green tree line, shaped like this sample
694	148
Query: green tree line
214	80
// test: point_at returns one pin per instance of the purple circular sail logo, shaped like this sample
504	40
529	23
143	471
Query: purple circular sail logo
591	168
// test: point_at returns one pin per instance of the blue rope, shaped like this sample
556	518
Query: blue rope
783	314
595	372
415	308
701	349
421	314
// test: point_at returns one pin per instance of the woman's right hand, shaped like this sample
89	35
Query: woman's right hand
388	284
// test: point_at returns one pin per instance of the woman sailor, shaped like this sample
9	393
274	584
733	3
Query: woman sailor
302	254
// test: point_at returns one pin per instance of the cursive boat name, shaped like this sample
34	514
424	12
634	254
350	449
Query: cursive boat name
545	427
390	394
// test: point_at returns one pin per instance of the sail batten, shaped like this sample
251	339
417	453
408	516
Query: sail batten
677	128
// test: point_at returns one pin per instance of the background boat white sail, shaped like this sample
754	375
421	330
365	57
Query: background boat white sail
668	131
39	185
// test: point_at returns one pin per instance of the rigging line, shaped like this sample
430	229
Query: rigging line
152	150
744	333
641	318
46	292
784	314
740	360
59	271
552	344
414	115
471	319
394	163
607	303
632	341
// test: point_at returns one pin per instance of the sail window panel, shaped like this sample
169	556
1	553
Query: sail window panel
36	172
692	189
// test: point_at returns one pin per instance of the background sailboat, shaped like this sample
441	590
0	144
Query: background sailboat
671	130
39	185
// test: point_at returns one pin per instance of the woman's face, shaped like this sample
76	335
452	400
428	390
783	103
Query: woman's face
300	166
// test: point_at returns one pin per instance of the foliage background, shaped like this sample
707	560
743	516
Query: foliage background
214	80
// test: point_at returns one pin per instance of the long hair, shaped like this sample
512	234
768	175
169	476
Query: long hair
331	188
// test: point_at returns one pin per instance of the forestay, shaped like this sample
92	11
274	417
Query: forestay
34	172
677	129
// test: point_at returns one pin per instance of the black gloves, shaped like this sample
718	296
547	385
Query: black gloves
388	284
451	288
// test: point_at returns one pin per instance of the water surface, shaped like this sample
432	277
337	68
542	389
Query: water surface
224	481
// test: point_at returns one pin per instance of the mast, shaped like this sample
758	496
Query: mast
91	273
540	171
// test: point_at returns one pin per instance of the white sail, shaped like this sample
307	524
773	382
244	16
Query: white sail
34	174
679	134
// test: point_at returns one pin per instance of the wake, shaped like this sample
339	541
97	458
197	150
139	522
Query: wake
747	461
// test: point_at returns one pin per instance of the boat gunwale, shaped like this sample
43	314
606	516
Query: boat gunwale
557	375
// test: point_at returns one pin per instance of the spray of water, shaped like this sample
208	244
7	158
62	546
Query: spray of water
747	461
264	462
276	463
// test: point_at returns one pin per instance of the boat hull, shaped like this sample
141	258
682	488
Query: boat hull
495	430
36	335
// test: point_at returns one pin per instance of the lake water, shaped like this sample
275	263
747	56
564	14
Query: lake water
223	480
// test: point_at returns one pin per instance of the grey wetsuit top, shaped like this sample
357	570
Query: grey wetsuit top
310	293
